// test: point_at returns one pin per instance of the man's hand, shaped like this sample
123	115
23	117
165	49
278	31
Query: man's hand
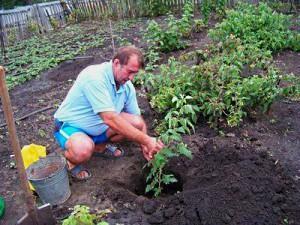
120	125
153	146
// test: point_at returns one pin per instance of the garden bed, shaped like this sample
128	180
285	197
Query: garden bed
248	175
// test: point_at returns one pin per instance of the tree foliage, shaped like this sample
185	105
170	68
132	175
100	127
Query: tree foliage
10	4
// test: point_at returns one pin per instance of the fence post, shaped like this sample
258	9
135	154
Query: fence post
37	18
46	25
19	16
2	38
20	36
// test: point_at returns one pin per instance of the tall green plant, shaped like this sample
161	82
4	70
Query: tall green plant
152	8
186	21
164	39
169	38
217	88
291	86
209	6
177	122
258	25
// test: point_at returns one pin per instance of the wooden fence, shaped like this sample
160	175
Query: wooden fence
24	22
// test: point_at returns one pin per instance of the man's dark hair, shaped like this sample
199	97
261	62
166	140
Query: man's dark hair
124	53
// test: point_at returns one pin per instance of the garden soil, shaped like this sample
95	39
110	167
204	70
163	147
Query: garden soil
247	175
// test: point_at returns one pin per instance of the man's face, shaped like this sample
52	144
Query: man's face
124	73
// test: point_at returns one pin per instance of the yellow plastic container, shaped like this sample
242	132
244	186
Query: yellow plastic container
31	153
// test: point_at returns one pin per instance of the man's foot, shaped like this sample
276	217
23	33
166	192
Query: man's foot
110	151
78	172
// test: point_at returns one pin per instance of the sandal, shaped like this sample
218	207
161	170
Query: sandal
74	172
109	152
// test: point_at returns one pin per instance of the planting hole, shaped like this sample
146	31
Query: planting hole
138	185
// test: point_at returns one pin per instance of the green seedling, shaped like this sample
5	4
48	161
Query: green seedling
81	215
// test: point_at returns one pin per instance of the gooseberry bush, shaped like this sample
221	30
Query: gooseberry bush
260	25
217	87
207	7
170	38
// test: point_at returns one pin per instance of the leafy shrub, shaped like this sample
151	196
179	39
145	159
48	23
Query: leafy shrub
249	93
256	25
179	120
165	95
281	6
54	23
157	8
12	36
157	176
82	216
144	79
33	27
169	38
72	18
185	23
164	39
152	58
216	85
294	41
209	6
152	8
291	86
198	25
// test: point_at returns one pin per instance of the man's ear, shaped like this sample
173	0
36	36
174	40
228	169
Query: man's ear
116	62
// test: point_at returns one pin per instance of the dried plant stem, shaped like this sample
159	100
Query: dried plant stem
112	37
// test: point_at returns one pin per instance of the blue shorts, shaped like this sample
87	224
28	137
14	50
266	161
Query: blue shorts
63	131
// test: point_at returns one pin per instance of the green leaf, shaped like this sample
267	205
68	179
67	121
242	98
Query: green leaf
168	152
183	150
148	188
159	160
103	223
168	179
180	130
191	125
174	99
176	137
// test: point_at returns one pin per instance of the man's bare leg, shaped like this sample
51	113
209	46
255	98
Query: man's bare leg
80	146
134	120
79	149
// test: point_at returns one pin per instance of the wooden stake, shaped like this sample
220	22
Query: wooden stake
14	141
112	37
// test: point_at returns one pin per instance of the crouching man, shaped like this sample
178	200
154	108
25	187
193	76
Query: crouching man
101	108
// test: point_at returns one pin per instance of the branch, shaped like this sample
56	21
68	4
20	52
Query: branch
30	114
112	37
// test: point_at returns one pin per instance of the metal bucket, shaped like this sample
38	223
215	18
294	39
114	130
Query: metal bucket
50	179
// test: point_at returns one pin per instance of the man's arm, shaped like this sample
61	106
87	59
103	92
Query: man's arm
121	126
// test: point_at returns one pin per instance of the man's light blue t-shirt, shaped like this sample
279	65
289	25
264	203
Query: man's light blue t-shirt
94	91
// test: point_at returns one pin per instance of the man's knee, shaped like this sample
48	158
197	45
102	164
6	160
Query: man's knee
80	147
